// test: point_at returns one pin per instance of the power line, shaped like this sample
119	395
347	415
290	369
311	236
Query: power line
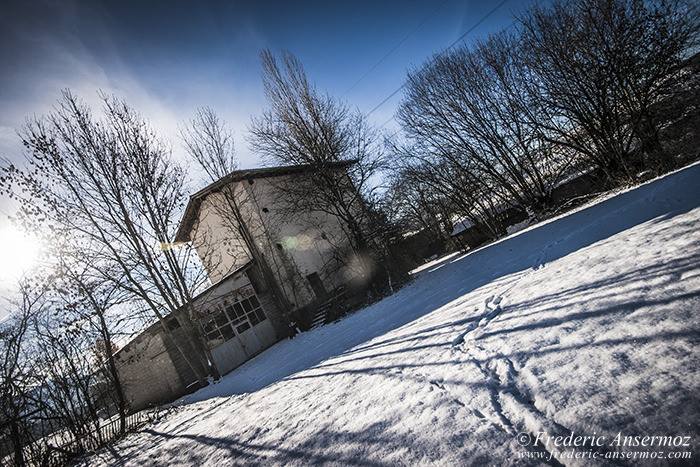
484	18
387	121
386	99
477	24
395	47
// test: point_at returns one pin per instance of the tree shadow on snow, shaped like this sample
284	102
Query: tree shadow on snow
196	449
609	305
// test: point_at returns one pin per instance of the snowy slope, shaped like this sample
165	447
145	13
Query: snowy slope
585	324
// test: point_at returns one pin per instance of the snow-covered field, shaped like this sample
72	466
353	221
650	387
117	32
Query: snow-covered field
587	324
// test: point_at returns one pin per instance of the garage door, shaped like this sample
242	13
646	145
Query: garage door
238	330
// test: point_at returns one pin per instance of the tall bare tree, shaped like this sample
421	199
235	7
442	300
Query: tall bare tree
114	186
602	67
413	202
305	127
468	112
18	401
88	300
210	142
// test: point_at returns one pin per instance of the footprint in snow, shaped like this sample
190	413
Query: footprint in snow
437	384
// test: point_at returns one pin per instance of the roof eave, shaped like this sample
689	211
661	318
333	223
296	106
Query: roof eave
192	210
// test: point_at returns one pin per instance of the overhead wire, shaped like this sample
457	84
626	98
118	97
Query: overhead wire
455	42
394	48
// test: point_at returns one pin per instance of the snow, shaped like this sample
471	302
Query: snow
465	223
586	324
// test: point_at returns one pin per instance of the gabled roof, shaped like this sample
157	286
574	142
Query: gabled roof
195	202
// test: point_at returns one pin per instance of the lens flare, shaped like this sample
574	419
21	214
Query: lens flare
301	242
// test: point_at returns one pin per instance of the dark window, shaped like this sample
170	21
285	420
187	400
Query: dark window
227	332
221	319
317	286
215	339
212	331
253	317
209	327
237	317
173	323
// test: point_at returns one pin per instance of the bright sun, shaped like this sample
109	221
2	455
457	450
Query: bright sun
19	252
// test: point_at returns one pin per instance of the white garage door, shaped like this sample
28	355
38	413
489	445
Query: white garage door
238	330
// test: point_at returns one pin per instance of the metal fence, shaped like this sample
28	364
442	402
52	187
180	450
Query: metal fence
61	447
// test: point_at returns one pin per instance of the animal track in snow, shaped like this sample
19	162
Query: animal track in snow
437	384
486	317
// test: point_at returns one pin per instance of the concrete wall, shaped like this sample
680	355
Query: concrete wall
216	238
153	370
147	372
294	246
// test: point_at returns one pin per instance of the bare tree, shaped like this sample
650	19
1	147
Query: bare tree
114	186
468	114
89	300
601	67
466	191
305	127
18	399
413	202
56	382
68	374
210	143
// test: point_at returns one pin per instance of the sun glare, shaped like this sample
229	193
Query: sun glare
19	252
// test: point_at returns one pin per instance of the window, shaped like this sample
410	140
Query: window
232	319
173	323
212	331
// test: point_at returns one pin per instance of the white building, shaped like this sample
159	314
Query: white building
307	253
303	261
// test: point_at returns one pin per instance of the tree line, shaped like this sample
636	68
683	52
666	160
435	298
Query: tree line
575	86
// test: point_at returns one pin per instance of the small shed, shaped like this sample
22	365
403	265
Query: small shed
473	234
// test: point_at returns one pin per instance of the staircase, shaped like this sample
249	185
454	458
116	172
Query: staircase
321	315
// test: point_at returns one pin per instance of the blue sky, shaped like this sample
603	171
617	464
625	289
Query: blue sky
168	58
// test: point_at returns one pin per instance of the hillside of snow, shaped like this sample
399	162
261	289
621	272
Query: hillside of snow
586	325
